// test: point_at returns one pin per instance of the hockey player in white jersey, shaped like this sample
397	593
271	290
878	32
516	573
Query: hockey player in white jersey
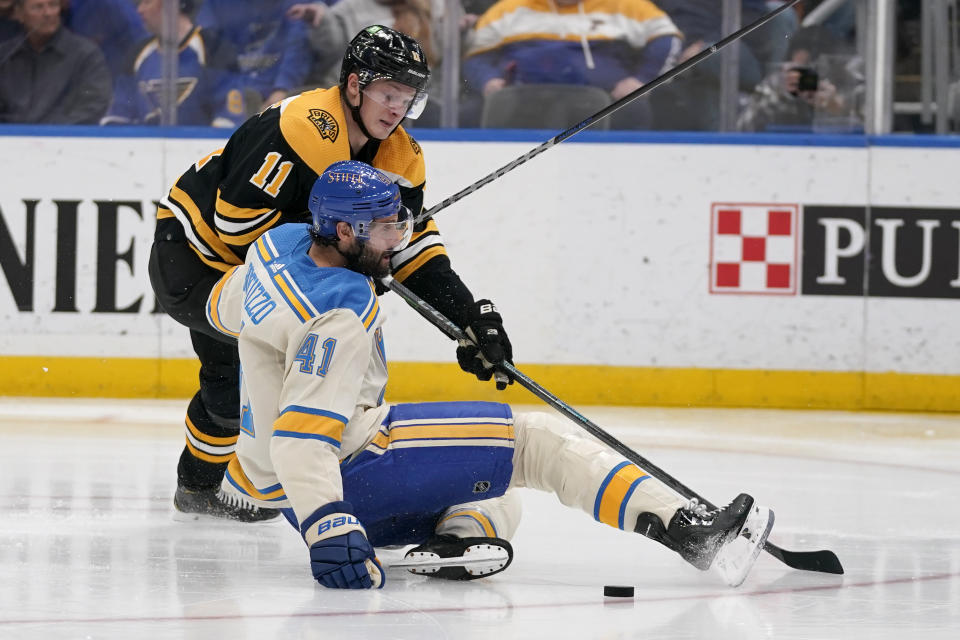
353	472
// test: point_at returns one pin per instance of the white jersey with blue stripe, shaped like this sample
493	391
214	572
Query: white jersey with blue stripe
314	369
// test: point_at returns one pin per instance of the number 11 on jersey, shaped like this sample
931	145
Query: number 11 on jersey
269	162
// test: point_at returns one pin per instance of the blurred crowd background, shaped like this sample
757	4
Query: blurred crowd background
541	64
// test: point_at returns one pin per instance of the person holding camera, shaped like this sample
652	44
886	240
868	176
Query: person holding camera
809	85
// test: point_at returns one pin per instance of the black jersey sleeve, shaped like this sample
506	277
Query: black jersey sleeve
261	184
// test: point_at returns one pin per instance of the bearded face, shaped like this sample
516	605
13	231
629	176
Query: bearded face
369	261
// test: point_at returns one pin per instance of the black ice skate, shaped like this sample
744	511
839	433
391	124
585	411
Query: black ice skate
453	558
202	504
698	534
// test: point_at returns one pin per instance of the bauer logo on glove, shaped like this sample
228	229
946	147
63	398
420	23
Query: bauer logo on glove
339	521
341	557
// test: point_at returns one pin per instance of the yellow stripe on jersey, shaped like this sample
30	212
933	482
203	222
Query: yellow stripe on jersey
264	250
635	22
481	519
292	299
239	479
419	261
639	10
297	423
201	163
614	492
213	313
219	266
228	210
253	234
206	233
427	228
372	314
163	212
560	37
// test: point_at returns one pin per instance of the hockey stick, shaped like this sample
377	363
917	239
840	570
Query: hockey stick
824	561
603	113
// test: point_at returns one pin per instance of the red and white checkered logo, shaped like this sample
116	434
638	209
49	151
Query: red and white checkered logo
753	248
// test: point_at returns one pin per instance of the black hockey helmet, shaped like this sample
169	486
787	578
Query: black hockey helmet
382	53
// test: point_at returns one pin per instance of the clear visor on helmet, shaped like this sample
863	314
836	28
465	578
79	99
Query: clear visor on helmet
397	97
386	234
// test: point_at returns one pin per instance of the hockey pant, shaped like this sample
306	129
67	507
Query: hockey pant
405	487
552	456
182	284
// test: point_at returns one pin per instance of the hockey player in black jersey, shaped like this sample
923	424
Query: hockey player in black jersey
261	178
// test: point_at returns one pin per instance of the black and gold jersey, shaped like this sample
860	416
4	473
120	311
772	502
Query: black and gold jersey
263	176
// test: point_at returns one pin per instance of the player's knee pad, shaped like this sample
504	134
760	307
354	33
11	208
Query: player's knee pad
541	422
539	429
209	422
539	440
220	397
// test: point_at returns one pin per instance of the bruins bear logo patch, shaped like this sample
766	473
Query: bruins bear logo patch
325	123
415	145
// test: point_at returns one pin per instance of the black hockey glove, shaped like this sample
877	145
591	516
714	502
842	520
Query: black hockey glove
490	345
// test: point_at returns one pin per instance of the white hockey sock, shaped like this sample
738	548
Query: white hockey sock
552	456
492	518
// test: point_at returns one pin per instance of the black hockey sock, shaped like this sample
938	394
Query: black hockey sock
211	440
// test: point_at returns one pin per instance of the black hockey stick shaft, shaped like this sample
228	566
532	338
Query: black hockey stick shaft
606	111
824	561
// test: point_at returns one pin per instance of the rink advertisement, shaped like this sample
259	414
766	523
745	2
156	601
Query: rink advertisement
648	271
901	252
908	252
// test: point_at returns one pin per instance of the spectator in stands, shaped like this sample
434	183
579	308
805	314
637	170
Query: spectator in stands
51	76
113	24
332	28
209	89
472	10
769	43
9	26
839	16
692	102
820	76
617	45
273	52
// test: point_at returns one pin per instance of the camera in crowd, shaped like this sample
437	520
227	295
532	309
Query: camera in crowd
809	79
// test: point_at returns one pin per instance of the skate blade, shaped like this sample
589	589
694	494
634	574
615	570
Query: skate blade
205	518
735	559
482	559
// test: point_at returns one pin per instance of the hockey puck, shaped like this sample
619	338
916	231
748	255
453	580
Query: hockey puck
615	591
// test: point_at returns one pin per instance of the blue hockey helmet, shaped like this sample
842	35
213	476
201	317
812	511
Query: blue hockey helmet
356	193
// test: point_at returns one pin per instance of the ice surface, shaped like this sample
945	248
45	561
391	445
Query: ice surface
88	549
